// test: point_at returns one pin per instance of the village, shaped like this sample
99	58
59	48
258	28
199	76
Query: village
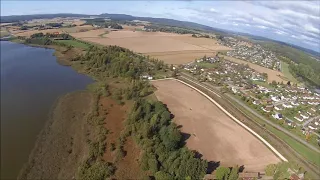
288	104
219	71
253	53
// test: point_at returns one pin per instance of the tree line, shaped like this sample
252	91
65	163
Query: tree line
178	30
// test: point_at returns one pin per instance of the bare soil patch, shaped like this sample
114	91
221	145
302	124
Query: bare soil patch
272	74
89	34
169	47
212	133
28	33
62	145
128	167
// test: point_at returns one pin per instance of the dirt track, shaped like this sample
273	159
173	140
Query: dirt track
212	133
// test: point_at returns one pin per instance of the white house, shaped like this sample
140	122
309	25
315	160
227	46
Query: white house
311	127
274	98
263	109
277	116
304	116
287	106
278	108
298	119
295	103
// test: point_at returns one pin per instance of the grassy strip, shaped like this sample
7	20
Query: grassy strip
286	72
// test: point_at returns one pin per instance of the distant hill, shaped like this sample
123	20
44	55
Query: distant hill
16	18
162	21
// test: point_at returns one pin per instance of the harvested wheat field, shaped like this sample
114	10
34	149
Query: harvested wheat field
272	74
28	33
168	47
212	133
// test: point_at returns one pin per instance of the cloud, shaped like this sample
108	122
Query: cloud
296	22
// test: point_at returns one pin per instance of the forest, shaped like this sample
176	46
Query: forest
302	65
103	23
161	28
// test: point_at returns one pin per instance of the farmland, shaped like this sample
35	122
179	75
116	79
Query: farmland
17	32
206	127
169	47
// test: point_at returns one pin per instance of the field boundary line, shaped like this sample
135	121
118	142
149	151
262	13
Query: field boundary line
237	121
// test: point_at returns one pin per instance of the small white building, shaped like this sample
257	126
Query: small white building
277	116
298	119
304	116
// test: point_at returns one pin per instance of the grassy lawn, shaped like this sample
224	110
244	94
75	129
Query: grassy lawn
262	83
207	65
286	72
74	43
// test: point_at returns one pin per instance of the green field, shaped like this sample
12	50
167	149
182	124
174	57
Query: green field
207	65
286	72
74	43
262	83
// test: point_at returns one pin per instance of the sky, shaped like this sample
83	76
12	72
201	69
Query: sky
295	22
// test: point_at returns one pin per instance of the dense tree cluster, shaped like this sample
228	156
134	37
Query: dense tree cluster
54	24
103	23
113	61
306	72
164	153
224	173
111	24
46	39
178	30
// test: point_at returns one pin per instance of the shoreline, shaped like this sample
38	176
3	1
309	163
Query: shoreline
49	133
47	128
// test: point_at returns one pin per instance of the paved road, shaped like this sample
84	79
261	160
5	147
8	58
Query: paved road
190	78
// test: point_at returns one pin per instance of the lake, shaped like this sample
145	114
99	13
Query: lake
31	81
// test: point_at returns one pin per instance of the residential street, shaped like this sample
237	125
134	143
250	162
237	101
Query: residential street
212	89
274	124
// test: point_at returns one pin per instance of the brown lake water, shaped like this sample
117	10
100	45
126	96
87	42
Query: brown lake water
31	81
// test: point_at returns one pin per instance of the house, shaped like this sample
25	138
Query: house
147	77
256	102
287	105
274	98
311	127
265	109
278	108
290	123
299	119
277	116
234	89
304	116
295	103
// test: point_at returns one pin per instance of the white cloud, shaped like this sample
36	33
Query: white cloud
261	27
